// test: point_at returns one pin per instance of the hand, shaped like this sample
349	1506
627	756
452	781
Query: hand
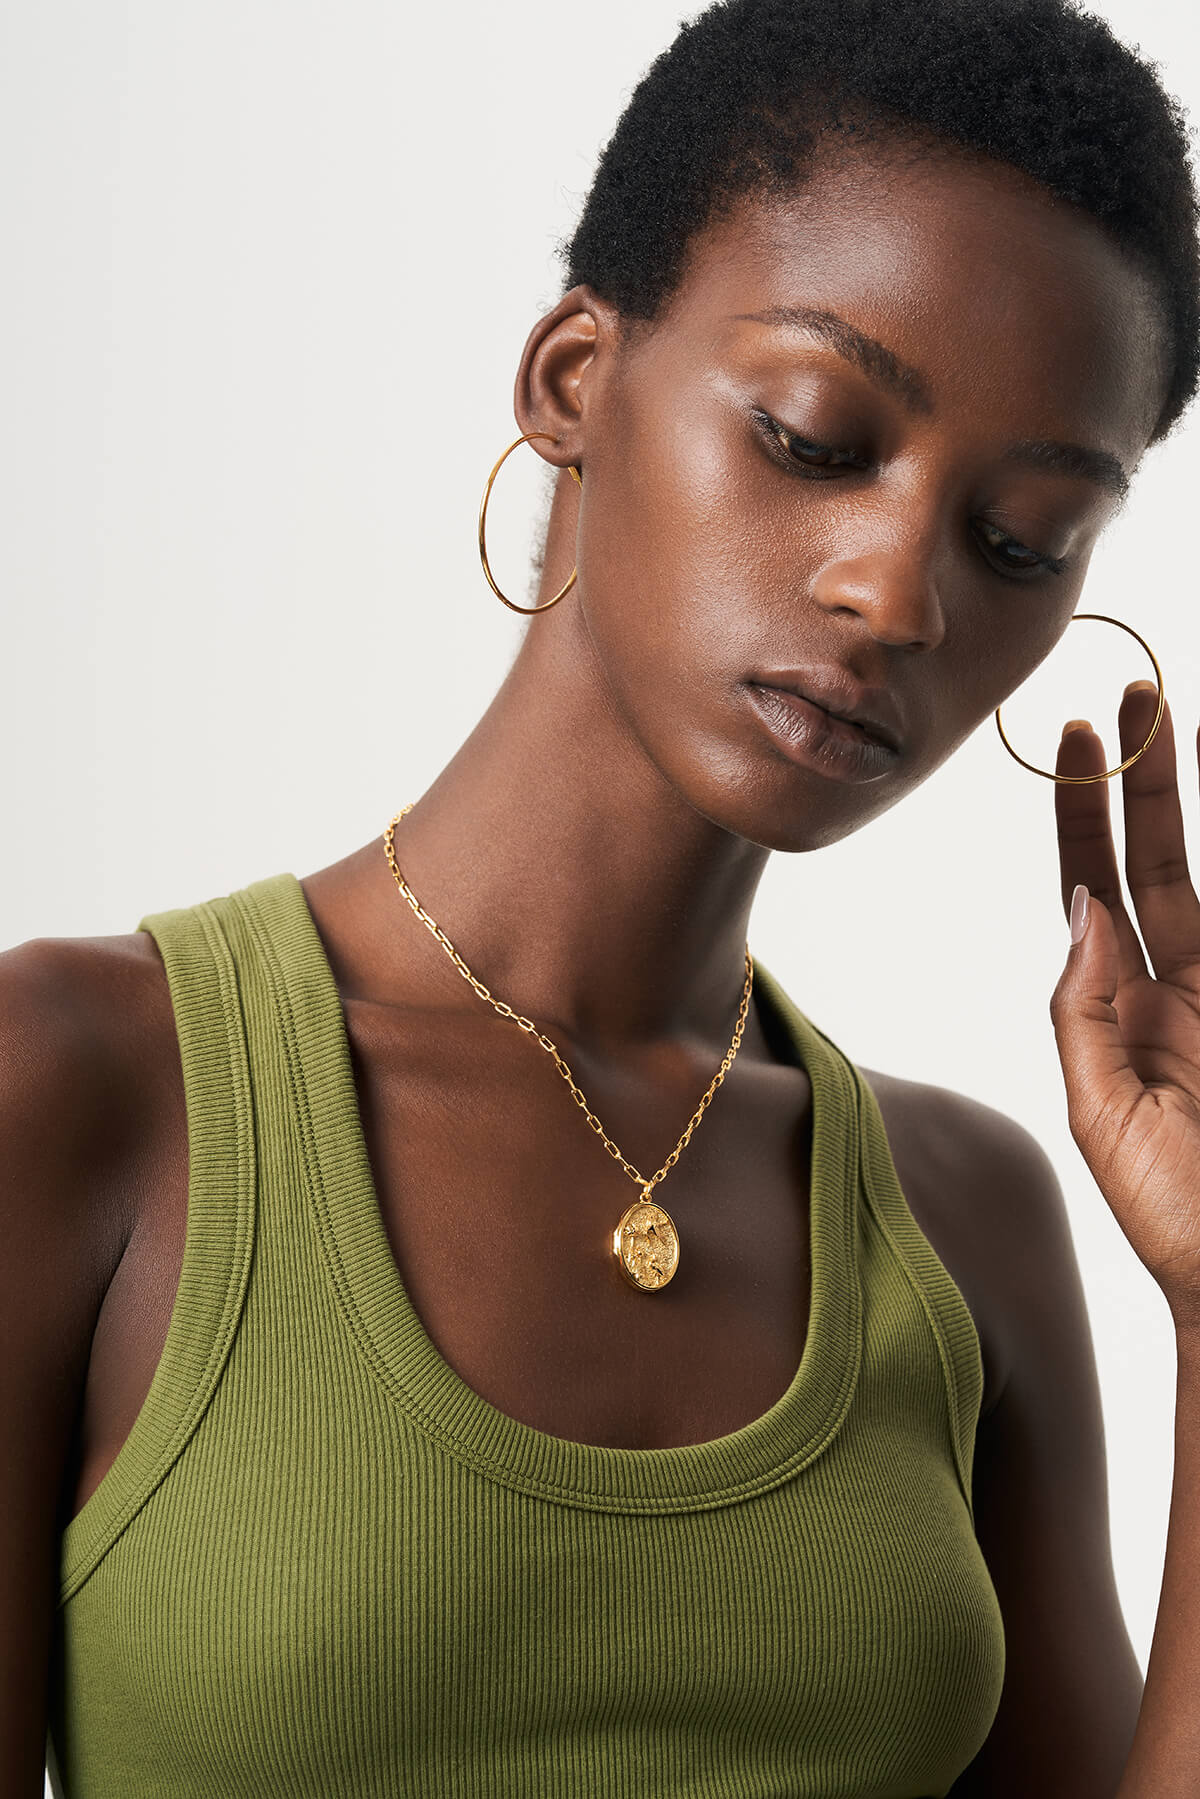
1129	1040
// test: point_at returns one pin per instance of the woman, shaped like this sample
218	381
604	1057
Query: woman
372	1429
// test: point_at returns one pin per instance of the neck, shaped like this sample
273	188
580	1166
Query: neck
571	876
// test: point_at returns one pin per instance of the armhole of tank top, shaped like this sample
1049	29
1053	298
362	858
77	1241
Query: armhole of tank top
946	1309
202	979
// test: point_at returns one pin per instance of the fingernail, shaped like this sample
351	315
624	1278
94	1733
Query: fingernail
1077	724
1142	687
1079	912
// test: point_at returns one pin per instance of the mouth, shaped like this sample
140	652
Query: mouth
847	730
851	709
807	733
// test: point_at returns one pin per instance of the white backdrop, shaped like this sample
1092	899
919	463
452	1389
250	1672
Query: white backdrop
269	270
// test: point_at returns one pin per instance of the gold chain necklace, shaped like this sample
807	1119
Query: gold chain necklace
645	1242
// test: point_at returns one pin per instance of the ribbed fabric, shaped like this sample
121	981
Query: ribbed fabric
322	1565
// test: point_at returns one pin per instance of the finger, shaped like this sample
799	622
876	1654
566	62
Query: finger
1101	1085
1156	866
1085	845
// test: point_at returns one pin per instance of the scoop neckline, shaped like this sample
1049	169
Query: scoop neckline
402	1357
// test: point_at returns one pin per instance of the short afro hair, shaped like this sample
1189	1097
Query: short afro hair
750	91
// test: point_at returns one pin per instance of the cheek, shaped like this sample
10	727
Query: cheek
635	597
989	656
668	557
1015	640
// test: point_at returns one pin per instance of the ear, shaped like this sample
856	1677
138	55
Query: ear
566	361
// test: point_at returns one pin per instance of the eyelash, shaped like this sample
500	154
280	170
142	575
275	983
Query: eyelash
772	431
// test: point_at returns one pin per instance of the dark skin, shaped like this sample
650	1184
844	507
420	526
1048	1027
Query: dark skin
619	794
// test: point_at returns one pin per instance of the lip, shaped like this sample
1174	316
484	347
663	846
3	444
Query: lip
835	691
807	734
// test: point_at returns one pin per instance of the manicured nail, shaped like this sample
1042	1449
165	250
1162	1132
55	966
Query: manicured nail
1077	724
1142	687
1079	912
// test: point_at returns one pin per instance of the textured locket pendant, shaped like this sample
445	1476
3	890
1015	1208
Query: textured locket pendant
646	1245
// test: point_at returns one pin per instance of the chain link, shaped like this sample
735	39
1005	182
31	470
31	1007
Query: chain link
547	1044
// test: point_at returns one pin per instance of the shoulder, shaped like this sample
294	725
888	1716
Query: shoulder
985	1193
81	1034
86	1102
65	999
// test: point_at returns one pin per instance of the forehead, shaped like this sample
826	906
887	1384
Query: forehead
970	272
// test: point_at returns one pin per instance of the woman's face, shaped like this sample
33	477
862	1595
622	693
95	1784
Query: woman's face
765	490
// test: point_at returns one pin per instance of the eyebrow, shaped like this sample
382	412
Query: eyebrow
885	368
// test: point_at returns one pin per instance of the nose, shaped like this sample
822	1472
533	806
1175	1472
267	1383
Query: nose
893	589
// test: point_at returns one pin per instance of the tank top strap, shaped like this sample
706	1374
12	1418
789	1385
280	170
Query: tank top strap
203	984
945	1309
949	1315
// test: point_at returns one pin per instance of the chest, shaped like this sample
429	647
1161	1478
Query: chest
499	1201
465	1630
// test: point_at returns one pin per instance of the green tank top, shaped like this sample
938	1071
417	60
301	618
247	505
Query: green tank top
322	1564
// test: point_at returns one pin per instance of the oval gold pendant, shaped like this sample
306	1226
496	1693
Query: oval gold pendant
646	1245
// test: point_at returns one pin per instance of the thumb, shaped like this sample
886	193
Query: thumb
1101	1086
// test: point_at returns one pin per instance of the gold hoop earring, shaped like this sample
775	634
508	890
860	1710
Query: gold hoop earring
546	604
1130	760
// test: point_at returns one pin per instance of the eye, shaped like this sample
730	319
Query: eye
1023	559
817	461
800	455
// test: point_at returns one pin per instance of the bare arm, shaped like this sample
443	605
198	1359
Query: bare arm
62	1233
